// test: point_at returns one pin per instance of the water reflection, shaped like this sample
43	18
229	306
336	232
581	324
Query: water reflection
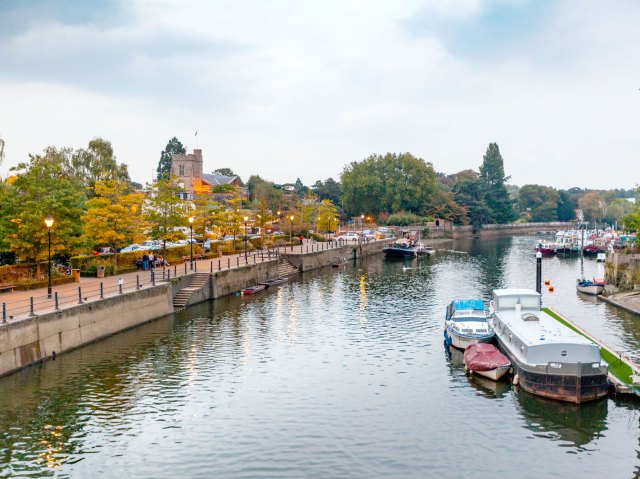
574	425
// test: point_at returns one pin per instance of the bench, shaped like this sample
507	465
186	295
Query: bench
195	257
7	286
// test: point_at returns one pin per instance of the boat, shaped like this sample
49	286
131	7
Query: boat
593	286
548	358
253	289
466	323
486	360
273	282
407	248
546	248
601	257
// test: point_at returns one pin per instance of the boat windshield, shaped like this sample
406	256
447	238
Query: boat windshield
473	304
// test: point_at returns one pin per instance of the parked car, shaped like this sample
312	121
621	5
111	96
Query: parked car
131	247
103	250
348	237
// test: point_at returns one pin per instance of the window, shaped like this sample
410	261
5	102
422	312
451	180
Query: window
181	170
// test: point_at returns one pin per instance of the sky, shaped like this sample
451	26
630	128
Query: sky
288	89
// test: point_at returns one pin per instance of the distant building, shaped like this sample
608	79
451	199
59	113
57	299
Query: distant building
187	168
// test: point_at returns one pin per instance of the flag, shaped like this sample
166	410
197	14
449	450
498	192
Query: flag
196	133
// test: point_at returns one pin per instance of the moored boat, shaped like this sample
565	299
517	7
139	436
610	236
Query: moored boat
406	248
546	248
486	360
253	289
548	358
275	281
466	323
593	286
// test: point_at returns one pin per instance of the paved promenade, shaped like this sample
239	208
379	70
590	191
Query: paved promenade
21	304
629	301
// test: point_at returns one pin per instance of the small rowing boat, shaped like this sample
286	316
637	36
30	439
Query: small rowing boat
486	360
253	289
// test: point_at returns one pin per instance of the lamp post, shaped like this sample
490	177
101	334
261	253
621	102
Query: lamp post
291	230
361	224
49	222
246	218
191	243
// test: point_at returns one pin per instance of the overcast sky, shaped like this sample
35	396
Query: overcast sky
288	89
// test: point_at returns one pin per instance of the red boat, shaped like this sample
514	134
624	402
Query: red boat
486	360
546	248
253	289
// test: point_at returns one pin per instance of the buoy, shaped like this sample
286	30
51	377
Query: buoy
546	281
551	288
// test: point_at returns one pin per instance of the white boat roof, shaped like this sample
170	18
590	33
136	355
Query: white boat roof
515	292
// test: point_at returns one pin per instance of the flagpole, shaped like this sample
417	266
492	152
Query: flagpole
196	135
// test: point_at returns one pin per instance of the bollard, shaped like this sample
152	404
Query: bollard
79	295
307	249
31	313
168	275
237	261
137	281
120	283
4	312
101	290
56	307
153	278
195	266
219	265
162	274
175	270
228	263
254	258
211	267
185	268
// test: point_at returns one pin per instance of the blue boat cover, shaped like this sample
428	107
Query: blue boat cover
469	304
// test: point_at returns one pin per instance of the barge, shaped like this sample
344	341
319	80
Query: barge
548	359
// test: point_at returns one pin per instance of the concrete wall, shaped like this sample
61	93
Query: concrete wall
25	342
320	259
231	281
492	231
623	270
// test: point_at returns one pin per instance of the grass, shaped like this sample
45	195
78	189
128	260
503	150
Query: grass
617	367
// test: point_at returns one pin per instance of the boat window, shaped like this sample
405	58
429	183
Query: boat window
530	317
555	365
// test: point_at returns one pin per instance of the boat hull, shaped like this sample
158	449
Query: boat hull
594	289
494	374
578	383
391	252
463	342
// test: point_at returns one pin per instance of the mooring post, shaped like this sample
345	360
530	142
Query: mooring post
175	270
211	267
539	271
162	274
168	275
153	278
101	290
4	312
195	266
228	262
120	283
31	313
219	265
80	295
137	281
55	299
185	268
237	261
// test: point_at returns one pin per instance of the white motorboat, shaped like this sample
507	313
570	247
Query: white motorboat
588	286
466	323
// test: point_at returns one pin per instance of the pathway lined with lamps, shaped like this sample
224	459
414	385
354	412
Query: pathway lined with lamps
20	305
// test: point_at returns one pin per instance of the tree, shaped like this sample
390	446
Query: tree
593	206
389	183
539	203
617	209
499	205
97	162
329	190
113	216
45	186
469	193
327	218
308	210
263	217
224	172
300	189
174	147
165	212
1	151
206	215
567	206
233	216
265	190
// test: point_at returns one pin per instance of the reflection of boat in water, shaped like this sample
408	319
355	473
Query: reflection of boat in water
577	424
484	387
587	297
466	323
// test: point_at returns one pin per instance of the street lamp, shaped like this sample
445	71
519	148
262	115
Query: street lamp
49	222
246	218
291	231
191	243
361	224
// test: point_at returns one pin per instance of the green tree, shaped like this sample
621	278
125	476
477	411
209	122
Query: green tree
206	214
308	208
593	206
617	209
389	183
496	196
328	190
263	217
43	187
174	147
113	217
567	206
97	162
539	203
165	212
260	189
224	172
469	193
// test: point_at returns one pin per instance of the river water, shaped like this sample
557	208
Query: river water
340	374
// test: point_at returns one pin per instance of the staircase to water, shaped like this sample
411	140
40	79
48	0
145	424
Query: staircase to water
181	299
285	268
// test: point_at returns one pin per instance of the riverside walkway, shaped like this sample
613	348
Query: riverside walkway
23	304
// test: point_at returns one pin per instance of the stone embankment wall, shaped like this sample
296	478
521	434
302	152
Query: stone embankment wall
320	259
623	270
492	231
25	342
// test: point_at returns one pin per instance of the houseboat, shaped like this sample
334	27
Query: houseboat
548	359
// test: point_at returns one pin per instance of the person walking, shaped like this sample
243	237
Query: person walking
145	262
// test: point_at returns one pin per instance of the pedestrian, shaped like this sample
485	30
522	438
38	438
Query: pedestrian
301	239
152	261
145	262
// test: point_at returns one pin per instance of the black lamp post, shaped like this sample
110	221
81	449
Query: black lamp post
191	243
49	222
246	218
361	225
291	230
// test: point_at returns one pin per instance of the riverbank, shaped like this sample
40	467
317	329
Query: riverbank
629	301
102	309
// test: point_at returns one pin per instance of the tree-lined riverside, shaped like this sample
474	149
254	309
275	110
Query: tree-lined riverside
340	374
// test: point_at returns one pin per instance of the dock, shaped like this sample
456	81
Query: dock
624	374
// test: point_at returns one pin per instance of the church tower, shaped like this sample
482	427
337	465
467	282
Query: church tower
187	169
